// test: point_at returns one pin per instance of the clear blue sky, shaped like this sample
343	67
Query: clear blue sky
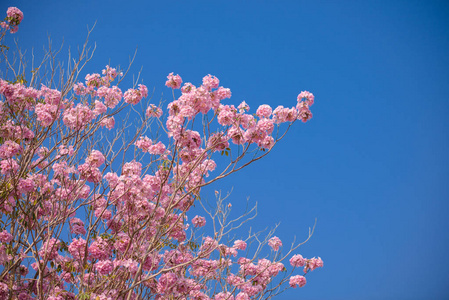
372	165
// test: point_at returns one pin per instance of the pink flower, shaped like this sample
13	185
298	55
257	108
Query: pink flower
153	111
100	108
4	291
234	280
133	96
266	125
95	159
267	142
5	237
15	14
80	89
174	81
218	142
110	73
78	117
104	267
297	260
209	244
236	134
143	143
264	111
89	173
314	263
222	93
242	296
14	17
8	166
210	82
46	113
297	281
224	296
199	221
243	107
307	97
239	244
131	265
121	242
77	248
132	168
94	80
112	96
100	249
187	88
143	90
227	115
49	249
275	243
247	121
9	149
77	226
62	169
108	123
166	282
112	179
25	185
227	251
157	149
4	25
304	113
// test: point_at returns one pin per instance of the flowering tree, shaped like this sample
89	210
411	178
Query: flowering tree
91	211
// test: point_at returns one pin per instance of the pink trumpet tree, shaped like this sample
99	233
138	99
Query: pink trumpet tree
91	211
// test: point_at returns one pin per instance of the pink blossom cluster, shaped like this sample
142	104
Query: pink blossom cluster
13	18
78	117
313	263
253	278
174	81
297	281
104	267
111	95
146	145
50	249
275	243
309	264
109	123
133	96
9	149
153	111
77	226
199	221
90	169
241	127
297	260
110	74
305	100
5	237
77	248
240	245
8	166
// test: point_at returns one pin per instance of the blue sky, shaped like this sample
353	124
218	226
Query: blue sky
372	165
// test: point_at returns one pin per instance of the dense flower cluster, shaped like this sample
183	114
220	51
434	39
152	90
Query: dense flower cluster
199	221
77	225
13	18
